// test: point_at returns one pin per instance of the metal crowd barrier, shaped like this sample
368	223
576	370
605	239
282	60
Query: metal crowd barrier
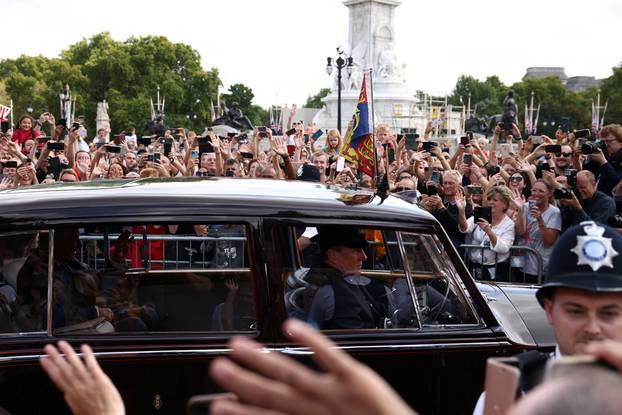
174	252
514	272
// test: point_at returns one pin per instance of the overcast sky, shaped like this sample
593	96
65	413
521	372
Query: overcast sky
279	47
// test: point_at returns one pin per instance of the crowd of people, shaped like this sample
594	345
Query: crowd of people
492	195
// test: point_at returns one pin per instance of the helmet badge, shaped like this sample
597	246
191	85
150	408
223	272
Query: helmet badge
593	249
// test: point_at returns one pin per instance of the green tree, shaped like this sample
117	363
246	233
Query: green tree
315	101
611	90
486	97
555	102
126	74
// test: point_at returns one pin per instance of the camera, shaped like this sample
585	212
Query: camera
571	175
553	148
431	190
144	140
591	147
113	149
427	145
56	146
484	213
474	190
583	134
492	170
562	194
436	177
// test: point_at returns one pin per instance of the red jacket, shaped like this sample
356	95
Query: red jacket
20	136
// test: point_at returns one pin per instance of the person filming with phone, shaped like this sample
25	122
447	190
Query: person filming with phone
492	229
538	224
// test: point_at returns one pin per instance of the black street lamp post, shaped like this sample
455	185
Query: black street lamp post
191	115
339	63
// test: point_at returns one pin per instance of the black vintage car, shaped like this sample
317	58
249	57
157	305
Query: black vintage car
157	275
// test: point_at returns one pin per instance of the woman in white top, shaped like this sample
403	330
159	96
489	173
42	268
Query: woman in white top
497	237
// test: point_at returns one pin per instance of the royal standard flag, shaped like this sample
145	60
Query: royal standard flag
358	147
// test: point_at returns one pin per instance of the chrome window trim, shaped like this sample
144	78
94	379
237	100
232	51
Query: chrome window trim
409	282
50	281
284	350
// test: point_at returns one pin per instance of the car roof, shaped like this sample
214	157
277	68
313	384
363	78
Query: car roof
218	196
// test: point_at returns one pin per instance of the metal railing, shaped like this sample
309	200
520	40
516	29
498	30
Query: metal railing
151	251
516	251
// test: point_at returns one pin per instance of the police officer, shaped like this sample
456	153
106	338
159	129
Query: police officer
582	297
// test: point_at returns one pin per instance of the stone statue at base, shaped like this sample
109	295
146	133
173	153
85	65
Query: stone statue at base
510	109
233	117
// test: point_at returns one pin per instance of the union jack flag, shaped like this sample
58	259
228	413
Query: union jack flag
4	113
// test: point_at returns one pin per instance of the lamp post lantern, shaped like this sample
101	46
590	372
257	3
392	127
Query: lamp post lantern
340	63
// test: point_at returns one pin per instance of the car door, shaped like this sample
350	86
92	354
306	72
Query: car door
157	302
433	340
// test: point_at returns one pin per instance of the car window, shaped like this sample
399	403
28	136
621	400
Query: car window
439	294
24	282
355	287
152	278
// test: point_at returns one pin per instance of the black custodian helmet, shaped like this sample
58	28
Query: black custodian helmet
588	257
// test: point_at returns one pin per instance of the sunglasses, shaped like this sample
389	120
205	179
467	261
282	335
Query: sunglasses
402	189
565	154
516	178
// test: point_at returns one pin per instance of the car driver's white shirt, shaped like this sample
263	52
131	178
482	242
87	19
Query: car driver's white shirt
481	402
309	232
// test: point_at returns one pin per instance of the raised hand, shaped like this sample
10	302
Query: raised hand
6	183
460	200
278	145
86	388
281	385
517	199
231	285
484	225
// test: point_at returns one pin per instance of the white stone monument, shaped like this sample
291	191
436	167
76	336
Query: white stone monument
102	119
370	44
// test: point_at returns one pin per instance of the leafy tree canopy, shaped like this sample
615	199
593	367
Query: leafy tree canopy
611	89
315	101
555	101
126	74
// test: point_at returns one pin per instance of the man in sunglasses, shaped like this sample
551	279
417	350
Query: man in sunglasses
564	160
